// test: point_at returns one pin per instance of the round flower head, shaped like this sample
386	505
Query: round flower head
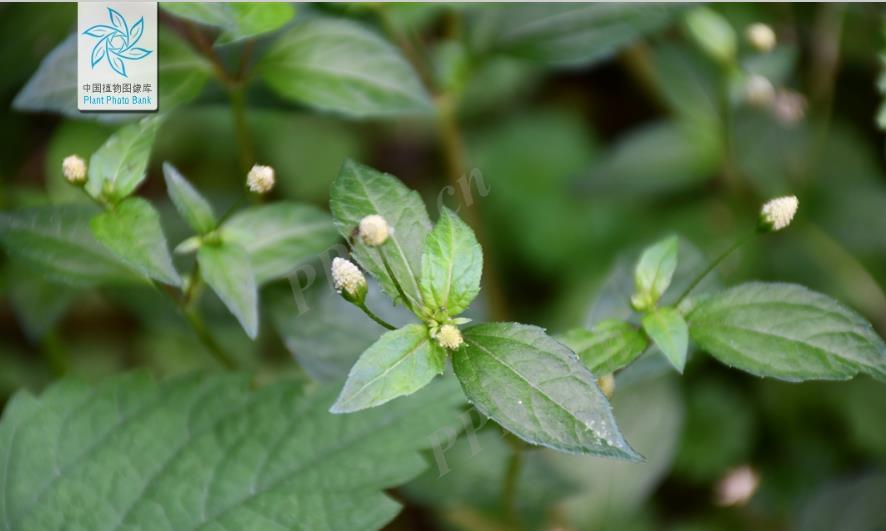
777	213
449	337
260	179
348	280
737	486
374	230
789	107
74	169
759	91
761	37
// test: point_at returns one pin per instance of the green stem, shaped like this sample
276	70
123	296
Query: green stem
713	265
510	482
244	141
217	351
374	317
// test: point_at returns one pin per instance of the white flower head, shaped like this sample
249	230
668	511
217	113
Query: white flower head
348	280
758	91
260	179
789	107
374	230
777	213
74	169
737	486
761	37
449	337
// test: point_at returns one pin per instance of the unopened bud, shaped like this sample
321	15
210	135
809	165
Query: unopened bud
348	280
759	91
260	179
761	37
607	385
374	230
737	486
449	337
777	213
789	107
74	169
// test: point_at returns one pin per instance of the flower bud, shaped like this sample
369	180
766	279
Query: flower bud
74	169
348	280
789	107
758	91
761	37
449	337
260	179
374	230
607	385
777	213
737	486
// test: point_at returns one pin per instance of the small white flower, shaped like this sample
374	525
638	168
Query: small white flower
348	280
74	169
761	37
374	230
737	486
789	107
777	213
449	337
260	179
759	91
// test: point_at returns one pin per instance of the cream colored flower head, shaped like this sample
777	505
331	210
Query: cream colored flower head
348	280
74	169
374	230
761	37
777	213
449	337
260	179
759	91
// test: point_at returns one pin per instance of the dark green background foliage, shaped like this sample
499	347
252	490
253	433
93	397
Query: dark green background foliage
570	138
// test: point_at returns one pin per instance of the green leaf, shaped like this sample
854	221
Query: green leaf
228	271
340	66
238	20
400	363
713	33
192	206
360	191
279	236
451	265
654	272
119	166
536	388
610	346
788	332
570	35
38	304
208	452
58	240
668	330
132	231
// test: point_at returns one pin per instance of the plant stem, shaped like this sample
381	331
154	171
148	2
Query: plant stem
244	140
217	351
374	317
713	265
510	482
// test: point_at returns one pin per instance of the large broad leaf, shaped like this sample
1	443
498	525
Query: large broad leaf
280	236
192	206
53	88
228	271
400	363
238	20
668	330
610	346
569	35
119	166
788	332
451	265
341	66
58	240
208	452
537	388
360	191
132	231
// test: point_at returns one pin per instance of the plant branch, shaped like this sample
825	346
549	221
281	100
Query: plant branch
375	317
713	265
510	482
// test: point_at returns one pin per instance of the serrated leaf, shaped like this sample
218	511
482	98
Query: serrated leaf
228	271
360	191
132	231
238	20
119	166
668	330
400	363
568	35
340	66
451	265
654	271
208	452
788	332
536	388
280	236
58	240
610	346
192	206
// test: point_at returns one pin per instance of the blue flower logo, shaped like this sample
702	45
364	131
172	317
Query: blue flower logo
117	42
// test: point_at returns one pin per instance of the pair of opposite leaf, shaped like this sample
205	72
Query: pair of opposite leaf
516	374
